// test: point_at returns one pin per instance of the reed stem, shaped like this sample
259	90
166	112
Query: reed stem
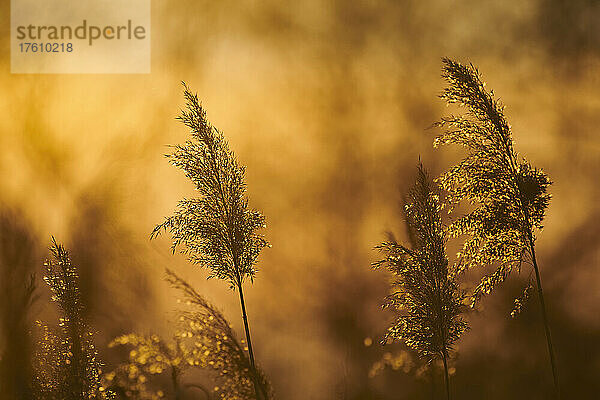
249	341
545	319
447	378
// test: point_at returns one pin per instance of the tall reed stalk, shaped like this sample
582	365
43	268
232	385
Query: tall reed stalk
509	195
217	230
427	296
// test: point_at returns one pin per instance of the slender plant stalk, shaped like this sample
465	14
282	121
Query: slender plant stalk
246	326
249	341
446	377
510	195
175	381
217	230
545	319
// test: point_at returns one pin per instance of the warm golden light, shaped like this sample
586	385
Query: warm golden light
328	105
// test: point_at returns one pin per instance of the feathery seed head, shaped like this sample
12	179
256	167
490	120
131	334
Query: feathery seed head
509	197
217	230
427	296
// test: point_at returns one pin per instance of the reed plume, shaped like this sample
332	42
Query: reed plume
67	364
214	339
427	296
204	340
217	230
508	194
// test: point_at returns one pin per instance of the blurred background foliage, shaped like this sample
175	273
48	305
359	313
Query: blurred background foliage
327	103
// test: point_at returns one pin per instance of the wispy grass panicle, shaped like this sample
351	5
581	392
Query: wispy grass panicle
203	340
49	364
217	230
149	356
427	296
68	364
215	339
508	195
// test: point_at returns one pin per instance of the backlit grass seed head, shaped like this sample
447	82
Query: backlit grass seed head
217	230
427	297
213	338
509	195
203	339
67	365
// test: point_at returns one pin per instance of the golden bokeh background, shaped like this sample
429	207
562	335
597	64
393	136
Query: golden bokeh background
327	104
